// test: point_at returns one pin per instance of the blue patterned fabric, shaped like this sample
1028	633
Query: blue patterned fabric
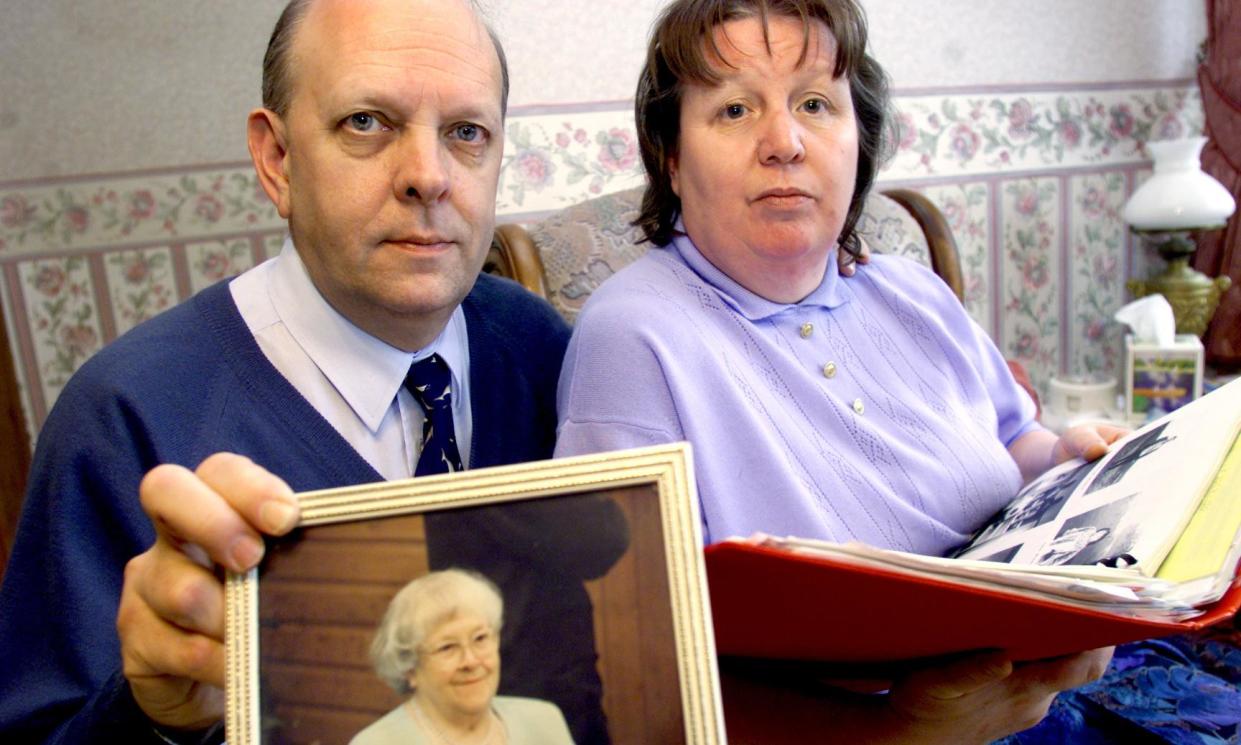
1183	689
430	383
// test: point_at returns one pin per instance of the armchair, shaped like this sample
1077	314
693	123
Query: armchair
564	257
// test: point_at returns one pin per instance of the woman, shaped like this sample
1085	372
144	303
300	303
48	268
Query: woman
869	409
439	642
873	406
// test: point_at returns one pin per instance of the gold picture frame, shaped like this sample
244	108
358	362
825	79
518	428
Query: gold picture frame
651	611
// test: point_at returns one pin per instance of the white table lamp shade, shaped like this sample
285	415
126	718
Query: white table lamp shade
1178	196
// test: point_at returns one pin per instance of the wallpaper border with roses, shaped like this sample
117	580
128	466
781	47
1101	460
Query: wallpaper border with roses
1032	183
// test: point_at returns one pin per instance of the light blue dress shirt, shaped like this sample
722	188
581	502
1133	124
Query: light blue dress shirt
355	381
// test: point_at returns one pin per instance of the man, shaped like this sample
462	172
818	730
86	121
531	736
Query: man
380	142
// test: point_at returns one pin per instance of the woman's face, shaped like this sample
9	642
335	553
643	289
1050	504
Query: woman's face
767	159
458	667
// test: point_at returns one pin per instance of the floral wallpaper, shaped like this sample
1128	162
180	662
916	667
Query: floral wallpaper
967	208
1030	182
1095	282
1030	277
132	209
58	312
140	284
211	261
555	161
968	134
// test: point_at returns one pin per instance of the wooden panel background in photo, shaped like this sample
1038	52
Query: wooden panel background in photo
319	605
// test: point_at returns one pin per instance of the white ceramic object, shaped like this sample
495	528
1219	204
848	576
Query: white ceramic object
1083	395
1178	196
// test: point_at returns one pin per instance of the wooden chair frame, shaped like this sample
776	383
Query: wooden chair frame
514	254
15	450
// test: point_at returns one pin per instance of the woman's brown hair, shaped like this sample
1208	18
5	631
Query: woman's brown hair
678	54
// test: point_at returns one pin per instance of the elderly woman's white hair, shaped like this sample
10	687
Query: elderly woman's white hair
418	608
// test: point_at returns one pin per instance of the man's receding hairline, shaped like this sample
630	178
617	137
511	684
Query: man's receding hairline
297	11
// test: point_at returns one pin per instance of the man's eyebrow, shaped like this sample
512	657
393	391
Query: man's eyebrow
352	98
475	113
382	101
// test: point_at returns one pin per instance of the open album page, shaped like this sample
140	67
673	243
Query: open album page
1126	509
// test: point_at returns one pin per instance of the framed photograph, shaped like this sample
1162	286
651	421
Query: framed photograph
596	561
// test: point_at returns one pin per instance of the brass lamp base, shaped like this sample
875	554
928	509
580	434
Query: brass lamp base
1192	294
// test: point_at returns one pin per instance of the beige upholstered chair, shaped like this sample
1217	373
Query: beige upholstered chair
567	255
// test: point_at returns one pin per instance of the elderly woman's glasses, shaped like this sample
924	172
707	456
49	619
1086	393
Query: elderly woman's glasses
452	651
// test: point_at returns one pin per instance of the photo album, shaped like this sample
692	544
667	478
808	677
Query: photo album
1141	543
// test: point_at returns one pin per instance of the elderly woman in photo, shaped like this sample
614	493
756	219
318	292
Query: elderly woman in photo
867	409
439	641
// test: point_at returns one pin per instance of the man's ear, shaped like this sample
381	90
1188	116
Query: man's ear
266	136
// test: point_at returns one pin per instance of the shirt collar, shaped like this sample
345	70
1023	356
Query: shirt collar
829	294
366	371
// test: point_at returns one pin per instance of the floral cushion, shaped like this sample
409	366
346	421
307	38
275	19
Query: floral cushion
889	228
585	244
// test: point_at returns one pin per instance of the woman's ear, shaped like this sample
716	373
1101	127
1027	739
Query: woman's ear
266	137
674	175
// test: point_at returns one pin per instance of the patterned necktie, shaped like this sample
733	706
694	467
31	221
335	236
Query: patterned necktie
431	385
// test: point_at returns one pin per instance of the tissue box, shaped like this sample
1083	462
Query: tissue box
1159	379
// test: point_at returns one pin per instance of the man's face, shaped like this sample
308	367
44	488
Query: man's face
392	149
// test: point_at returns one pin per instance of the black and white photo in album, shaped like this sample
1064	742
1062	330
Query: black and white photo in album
1126	509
